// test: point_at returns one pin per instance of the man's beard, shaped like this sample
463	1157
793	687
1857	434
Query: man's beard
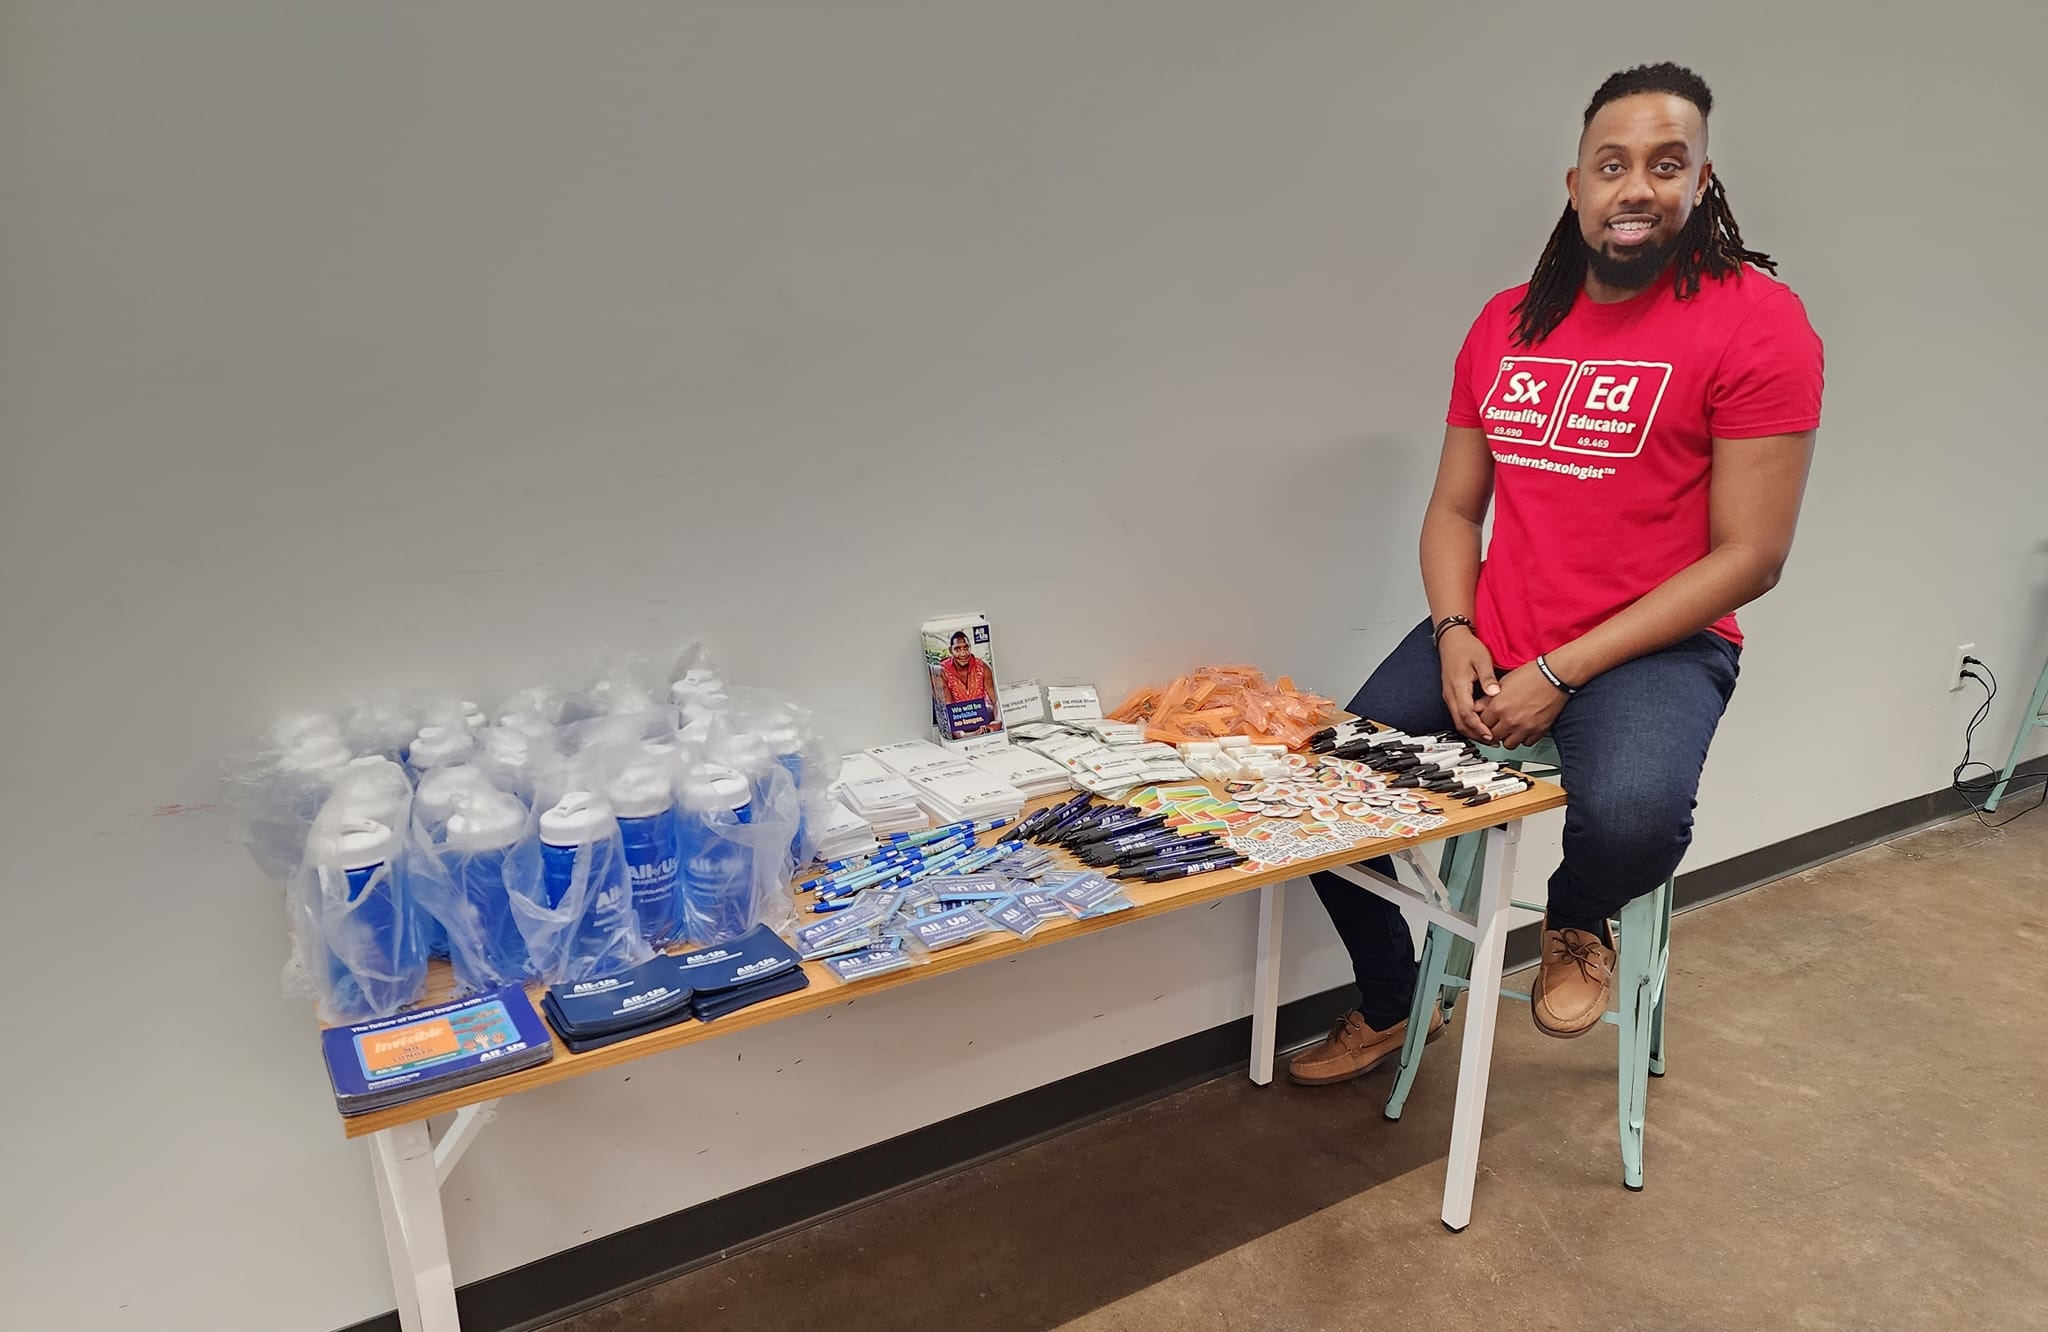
1635	272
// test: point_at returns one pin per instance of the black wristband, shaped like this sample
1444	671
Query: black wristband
1445	625
1551	675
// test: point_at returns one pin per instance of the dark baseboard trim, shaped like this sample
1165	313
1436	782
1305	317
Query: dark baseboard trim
566	1283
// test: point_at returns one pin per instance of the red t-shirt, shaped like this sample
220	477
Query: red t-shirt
1602	440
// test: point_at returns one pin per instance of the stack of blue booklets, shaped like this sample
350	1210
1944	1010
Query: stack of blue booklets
589	1015
704	983
729	977
389	1061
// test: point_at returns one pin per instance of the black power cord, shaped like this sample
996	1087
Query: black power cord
1976	790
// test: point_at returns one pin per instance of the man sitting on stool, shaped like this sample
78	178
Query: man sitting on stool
1642	411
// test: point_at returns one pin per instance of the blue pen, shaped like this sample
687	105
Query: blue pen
909	856
824	881
929	834
905	874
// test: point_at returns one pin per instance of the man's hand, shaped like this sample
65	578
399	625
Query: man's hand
1522	710
1467	670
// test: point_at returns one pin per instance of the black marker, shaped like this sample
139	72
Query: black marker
1189	868
1121	828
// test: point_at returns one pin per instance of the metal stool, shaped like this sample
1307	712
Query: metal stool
2028	722
1643	942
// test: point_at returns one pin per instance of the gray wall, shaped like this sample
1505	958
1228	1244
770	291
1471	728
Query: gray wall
434	343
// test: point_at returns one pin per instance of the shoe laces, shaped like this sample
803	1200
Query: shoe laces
1585	949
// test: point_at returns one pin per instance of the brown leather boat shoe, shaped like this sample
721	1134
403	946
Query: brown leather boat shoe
1352	1049
1573	982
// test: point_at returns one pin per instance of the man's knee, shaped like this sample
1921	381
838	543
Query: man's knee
1633	835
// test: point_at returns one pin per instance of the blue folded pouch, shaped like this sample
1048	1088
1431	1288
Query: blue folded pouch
757	956
585	1044
710	1007
626	1001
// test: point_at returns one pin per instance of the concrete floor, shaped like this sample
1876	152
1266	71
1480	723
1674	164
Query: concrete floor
1854	1134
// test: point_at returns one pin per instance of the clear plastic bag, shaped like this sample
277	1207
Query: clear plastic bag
275	794
467	873
576	914
736	832
358	945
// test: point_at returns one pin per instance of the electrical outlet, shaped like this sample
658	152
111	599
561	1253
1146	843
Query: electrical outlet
1955	666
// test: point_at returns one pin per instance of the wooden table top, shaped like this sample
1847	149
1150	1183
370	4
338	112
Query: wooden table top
826	990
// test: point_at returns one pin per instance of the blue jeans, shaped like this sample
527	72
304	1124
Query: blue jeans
1630	747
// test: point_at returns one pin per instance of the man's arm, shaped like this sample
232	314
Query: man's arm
1752	508
1450	525
1450	569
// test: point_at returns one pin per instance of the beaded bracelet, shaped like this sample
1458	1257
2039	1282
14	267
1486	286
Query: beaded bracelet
1446	624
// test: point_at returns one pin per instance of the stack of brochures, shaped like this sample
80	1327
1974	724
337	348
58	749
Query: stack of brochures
842	834
887	802
964	791
1030	772
401	1058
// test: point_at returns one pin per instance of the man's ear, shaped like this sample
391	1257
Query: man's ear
1571	188
1706	176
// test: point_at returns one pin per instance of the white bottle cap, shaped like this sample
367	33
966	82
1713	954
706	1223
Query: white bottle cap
527	724
487	822
442	790
375	788
472	715
436	745
745	751
711	787
508	748
578	818
782	737
354	843
642	791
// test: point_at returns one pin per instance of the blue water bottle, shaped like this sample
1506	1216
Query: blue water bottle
786	746
578	833
373	960
718	873
643	796
483	837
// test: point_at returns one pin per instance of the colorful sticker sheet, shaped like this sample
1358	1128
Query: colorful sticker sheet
1322	807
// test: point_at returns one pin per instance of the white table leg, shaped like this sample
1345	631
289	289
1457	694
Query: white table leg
1266	982
409	1198
1482	1007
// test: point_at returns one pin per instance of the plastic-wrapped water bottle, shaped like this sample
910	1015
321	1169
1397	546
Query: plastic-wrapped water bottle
643	796
442	791
482	836
508	760
283	817
786	747
374	963
718	873
376	788
373	787
580	833
436	746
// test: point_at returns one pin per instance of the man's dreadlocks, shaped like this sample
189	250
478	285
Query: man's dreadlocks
1709	246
